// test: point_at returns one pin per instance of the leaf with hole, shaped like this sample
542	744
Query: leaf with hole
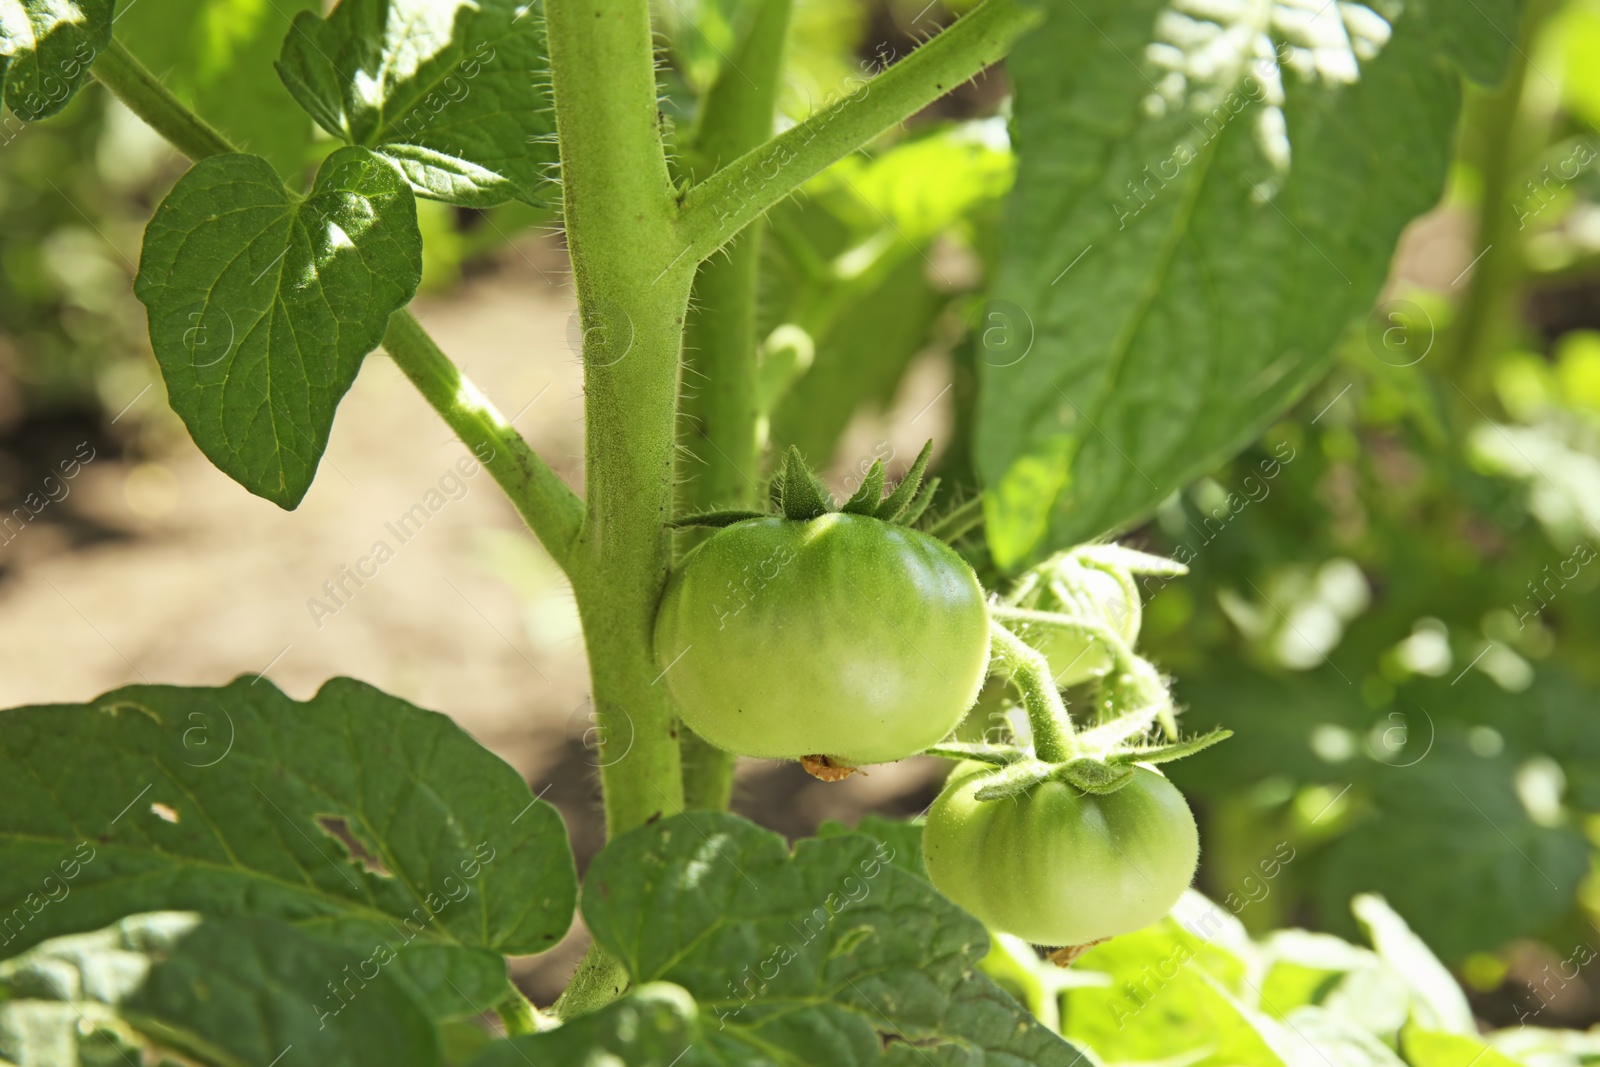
354	815
263	305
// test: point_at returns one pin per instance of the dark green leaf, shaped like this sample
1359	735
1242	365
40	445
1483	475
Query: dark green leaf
46	49
902	837
263	305
219	991
833	955
217	56
455	95
239	800
1186	243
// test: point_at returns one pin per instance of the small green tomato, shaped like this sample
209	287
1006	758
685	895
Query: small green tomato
1056	866
841	636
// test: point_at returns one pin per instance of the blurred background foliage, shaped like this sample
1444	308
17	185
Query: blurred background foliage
1392	598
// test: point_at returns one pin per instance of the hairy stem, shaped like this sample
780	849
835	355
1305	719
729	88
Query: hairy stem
1030	673
633	294
129	81
552	510
719	405
728	201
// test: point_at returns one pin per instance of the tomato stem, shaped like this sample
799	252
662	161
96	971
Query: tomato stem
1030	672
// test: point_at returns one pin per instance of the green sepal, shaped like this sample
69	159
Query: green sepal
999	755
870	495
1093	776
920	504
802	497
894	506
1169	752
1018	777
1113	558
716	520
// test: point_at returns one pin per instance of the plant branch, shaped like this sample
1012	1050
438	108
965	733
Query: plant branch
717	209
720	406
543	500
552	510
1030	673
120	71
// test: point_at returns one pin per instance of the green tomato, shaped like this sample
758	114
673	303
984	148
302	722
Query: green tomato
1056	866
1076	658
843	636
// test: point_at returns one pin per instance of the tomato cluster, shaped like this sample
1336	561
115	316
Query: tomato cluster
845	637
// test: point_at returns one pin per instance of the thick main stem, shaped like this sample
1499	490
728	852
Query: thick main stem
633	292
720	408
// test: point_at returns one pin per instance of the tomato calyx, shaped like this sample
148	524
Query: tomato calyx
1135	717
798	494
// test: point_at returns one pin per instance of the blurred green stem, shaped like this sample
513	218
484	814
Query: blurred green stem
1030	673
718	403
1503	143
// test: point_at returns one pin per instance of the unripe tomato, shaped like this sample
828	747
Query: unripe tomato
1056	866
1077	658
842	636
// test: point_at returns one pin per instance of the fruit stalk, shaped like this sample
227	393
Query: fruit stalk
1028	670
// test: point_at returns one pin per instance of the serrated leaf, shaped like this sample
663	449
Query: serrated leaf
46	49
232	801
832	955
1191	232
866	499
217	56
262	305
223	991
455	95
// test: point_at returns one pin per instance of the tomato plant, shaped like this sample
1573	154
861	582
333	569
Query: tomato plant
749	272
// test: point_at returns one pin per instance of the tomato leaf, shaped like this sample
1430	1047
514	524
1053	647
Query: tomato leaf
1191	231
457	96
833	953
217	56
263	305
354	815
46	48
220	990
